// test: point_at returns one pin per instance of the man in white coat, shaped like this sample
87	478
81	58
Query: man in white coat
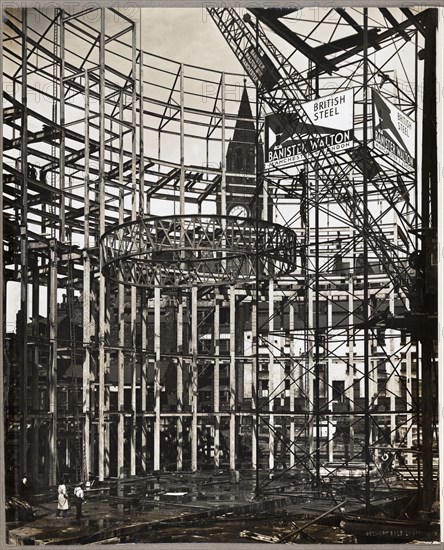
62	500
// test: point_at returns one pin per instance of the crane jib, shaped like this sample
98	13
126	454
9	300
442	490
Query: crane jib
260	68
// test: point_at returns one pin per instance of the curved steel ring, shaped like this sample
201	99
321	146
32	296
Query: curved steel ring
196	250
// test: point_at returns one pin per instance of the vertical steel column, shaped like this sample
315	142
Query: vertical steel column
223	164
264	189
93	455
52	370
418	408
391	382
5	388
86	374
255	298
365	303
256	363
349	379
427	403
141	134
54	110
254	390
144	381
107	405
329	390
223	212
417	129
351	347
440	283
135	205
143	305
182	142
133	330
309	381
429	159
179	383
429	215
294	381
232	377
194	381
121	316
193	305
101	200
271	375
62	230
410	419
35	367
157	306
65	442
216	381
24	253
317	335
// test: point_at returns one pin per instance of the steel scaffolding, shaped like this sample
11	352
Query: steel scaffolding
290	339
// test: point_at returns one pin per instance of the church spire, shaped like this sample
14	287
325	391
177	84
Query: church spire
244	131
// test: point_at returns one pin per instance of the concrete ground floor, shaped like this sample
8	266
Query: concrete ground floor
206	506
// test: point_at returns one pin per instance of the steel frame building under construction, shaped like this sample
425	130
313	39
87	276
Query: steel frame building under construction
210	272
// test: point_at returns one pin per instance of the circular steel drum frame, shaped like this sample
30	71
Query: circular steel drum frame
182	251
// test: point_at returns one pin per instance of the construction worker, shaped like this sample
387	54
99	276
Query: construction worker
62	500
79	499
24	487
32	172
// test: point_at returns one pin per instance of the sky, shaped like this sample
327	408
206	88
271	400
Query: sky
183	34
187	35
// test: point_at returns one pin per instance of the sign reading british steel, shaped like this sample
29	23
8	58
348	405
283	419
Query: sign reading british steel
321	126
393	132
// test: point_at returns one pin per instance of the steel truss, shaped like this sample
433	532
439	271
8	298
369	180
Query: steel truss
202	251
346	180
239	371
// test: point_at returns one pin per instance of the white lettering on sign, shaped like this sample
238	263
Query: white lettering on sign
393	132
324	124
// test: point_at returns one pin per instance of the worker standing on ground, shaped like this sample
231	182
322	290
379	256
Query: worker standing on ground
79	499
62	500
24	487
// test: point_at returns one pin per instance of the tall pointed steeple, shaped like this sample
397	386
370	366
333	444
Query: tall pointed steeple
241	158
244	131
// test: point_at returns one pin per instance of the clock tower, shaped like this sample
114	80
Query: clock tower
241	163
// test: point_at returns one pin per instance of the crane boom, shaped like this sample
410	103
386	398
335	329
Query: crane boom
284	90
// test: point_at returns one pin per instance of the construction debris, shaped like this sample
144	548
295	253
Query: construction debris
258	536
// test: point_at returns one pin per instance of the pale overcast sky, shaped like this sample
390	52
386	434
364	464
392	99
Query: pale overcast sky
187	35
182	34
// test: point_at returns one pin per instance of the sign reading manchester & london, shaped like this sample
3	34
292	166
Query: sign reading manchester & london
321	126
393	132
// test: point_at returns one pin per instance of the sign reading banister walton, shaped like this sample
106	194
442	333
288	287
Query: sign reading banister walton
324	124
393	132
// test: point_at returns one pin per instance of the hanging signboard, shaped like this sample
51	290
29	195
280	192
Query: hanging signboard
393	132
321	126
259	68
